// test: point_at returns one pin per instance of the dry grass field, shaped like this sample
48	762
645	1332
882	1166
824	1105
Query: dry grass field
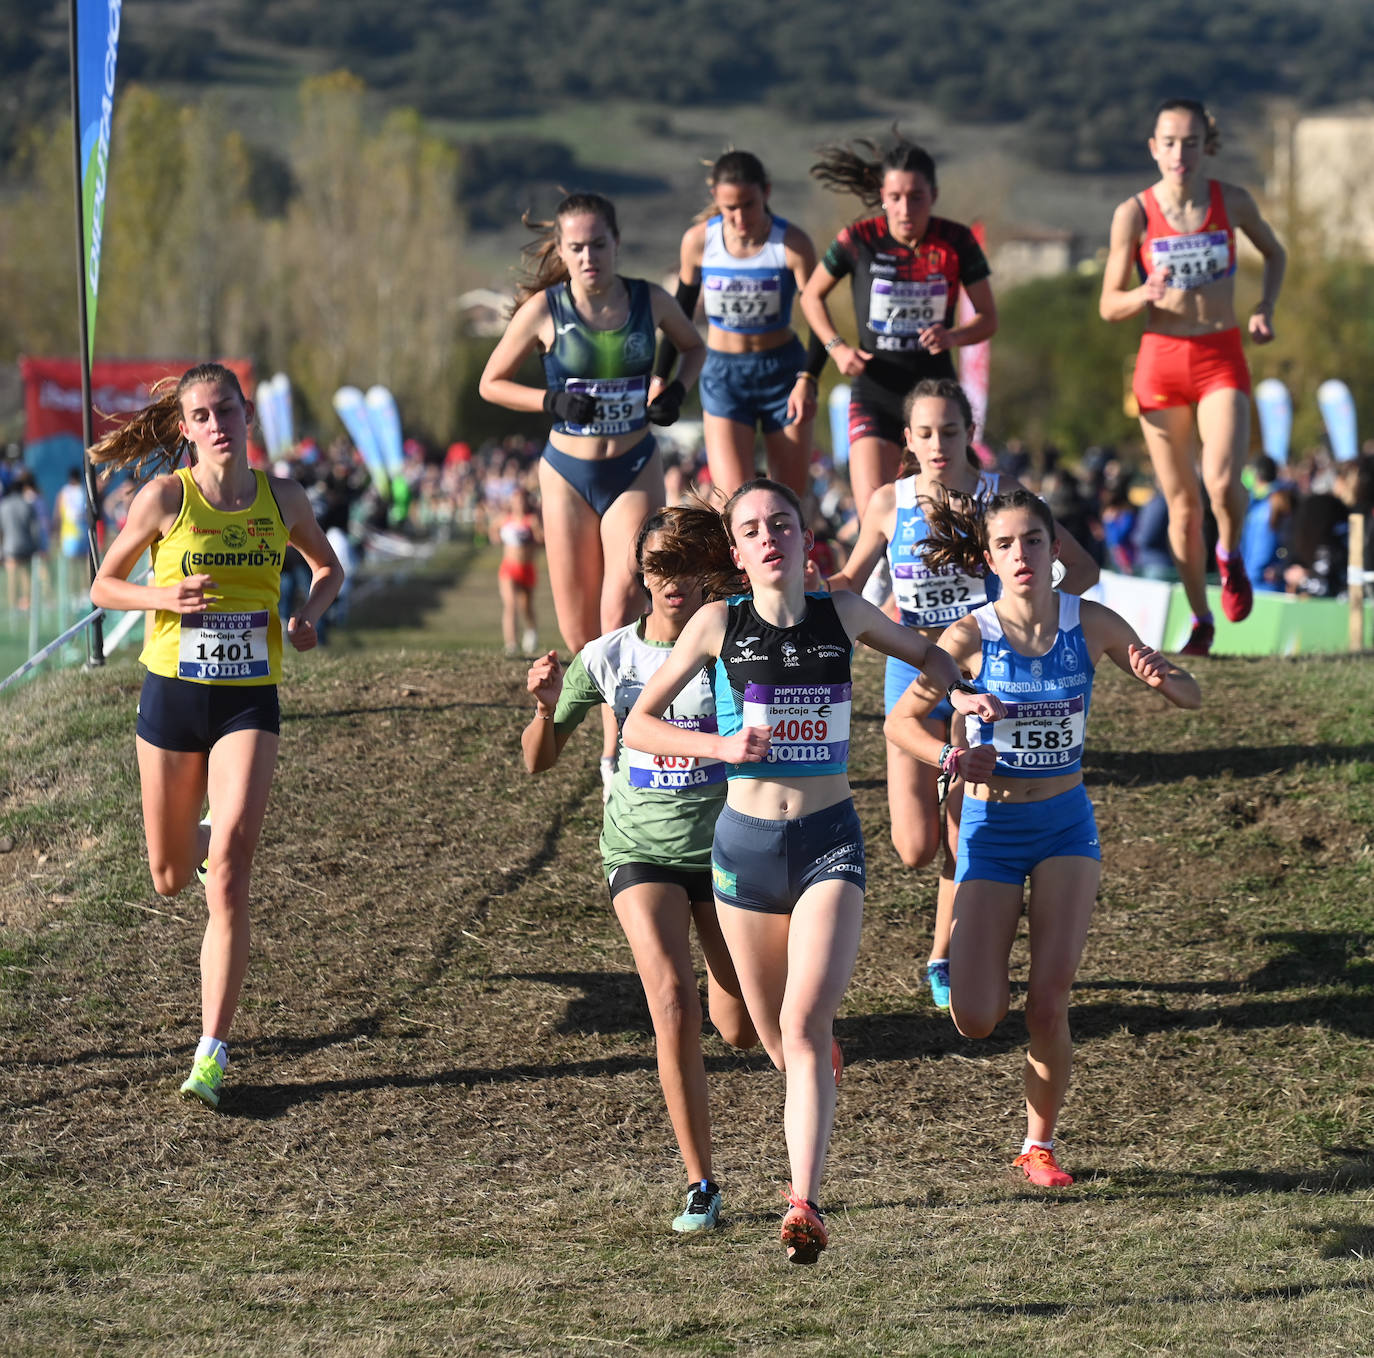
442	1130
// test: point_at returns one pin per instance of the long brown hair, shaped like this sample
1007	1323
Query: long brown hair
541	267
944	389
861	166
692	543
958	527
702	539
151	442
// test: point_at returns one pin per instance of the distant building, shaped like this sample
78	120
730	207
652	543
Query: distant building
1322	185
1030	253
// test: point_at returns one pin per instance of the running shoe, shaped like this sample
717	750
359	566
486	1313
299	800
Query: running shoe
529	642
1041	1168
204	1081
203	872
937	975
1237	593
803	1230
702	1212
1200	639
836	1061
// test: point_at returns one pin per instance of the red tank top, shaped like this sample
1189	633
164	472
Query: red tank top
1194	258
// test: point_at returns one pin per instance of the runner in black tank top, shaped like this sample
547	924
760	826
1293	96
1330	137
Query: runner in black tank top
787	861
907	267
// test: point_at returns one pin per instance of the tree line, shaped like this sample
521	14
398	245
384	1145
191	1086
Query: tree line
1076	72
349	270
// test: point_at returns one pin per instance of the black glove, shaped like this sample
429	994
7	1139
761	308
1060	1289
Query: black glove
664	408
570	407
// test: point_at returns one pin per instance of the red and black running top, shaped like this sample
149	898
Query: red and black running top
899	290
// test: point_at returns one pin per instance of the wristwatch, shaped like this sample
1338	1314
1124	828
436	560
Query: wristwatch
961	686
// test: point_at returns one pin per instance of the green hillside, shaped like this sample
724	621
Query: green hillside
1080	71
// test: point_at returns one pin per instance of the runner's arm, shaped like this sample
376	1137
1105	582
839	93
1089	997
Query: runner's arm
1120	301
498	384
1110	634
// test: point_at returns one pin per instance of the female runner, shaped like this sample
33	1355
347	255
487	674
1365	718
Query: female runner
656	836
787	860
208	717
906	267
600	475
1025	812
519	533
937	463
1181	234
748	265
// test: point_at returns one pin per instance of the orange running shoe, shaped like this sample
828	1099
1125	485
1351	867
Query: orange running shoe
803	1230
836	1061
1041	1168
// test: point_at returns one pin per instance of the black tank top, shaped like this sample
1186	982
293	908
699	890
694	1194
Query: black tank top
795	680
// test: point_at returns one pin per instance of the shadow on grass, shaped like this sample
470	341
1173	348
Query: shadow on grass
263	1102
1142	768
1235	1296
392	709
1351	1170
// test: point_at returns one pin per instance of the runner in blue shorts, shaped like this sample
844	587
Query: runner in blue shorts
787	861
747	266
1025	812
938	464
600	474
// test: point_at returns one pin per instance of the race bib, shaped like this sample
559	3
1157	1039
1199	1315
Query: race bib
929	600
810	723
1192	261
898	307
675	772
1046	734
742	301
620	404
223	646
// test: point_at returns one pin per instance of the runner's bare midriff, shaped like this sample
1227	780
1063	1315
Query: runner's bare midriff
1000	789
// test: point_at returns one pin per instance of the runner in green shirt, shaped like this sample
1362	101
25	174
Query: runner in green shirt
656	835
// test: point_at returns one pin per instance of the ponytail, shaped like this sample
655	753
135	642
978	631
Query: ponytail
541	266
842	169
693	543
958	528
150	442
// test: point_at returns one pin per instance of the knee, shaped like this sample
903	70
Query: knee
974	1019
227	881
914	846
1047	1009
676	1010
168	877
733	1024
805	1029
1185	508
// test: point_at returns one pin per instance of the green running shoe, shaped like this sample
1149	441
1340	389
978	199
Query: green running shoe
204	1081
702	1212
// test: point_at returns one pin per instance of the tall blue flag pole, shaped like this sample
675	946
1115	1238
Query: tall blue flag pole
93	47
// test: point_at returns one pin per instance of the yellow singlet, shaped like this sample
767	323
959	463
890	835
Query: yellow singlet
240	641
